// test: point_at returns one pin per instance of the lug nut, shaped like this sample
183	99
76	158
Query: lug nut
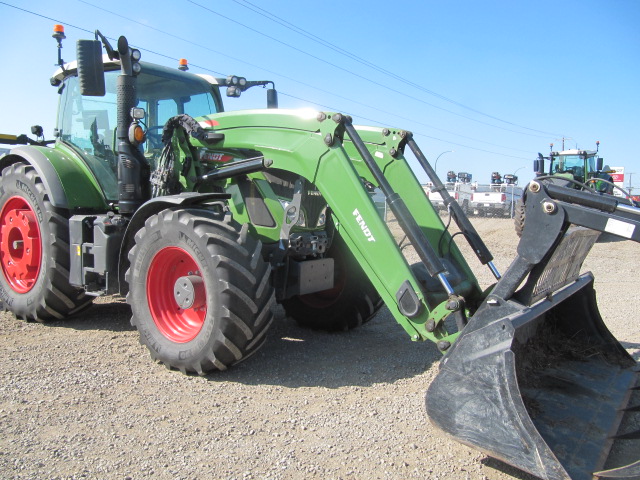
534	187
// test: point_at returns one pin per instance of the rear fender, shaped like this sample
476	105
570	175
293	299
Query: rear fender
68	185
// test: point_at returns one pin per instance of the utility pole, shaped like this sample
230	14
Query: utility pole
563	141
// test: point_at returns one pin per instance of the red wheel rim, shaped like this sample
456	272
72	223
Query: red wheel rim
176	324
20	245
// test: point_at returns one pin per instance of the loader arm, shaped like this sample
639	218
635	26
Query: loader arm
535	353
317	147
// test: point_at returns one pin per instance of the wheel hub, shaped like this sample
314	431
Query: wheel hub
20	244
189	292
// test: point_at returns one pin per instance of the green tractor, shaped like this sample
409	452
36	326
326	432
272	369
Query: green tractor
205	219
574	168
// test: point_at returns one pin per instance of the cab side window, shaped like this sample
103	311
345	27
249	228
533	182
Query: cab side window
88	124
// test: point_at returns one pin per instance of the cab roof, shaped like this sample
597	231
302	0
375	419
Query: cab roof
71	69
576	152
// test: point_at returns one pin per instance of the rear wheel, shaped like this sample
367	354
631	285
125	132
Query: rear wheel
351	302
199	290
34	250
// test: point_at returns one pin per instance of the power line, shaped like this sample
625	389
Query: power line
282	93
297	81
352	56
414	132
362	77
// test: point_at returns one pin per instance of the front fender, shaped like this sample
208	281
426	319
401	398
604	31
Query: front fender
152	207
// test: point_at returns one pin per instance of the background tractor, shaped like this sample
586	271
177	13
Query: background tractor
204	219
574	168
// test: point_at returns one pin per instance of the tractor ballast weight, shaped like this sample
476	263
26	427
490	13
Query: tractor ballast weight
244	209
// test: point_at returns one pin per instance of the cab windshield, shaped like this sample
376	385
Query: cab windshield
573	164
89	124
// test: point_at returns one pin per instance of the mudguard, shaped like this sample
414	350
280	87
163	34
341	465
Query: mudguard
153	206
68	184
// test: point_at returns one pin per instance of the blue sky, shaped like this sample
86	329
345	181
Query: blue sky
495	82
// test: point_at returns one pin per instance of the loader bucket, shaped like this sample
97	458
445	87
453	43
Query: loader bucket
538	383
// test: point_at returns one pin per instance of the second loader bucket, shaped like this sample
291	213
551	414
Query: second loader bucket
536	379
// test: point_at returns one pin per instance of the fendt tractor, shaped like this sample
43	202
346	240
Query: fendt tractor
204	219
573	168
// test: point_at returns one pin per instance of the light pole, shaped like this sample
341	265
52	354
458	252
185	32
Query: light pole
435	165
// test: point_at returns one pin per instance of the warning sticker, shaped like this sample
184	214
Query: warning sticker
620	228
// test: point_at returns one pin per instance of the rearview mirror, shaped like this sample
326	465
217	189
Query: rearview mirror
90	68
538	166
272	98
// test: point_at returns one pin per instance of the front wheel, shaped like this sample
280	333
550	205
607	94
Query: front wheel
34	250
199	290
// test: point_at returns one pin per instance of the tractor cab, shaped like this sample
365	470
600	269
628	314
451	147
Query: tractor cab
87	124
580	164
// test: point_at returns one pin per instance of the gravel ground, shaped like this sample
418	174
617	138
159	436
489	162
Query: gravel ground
82	399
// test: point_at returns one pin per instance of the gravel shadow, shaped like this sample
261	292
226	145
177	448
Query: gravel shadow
506	468
292	356
114	316
630	345
377	352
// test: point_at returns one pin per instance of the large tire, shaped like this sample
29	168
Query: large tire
210	258
518	217
34	250
352	302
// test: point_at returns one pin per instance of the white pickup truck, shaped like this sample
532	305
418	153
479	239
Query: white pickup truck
495	200
461	192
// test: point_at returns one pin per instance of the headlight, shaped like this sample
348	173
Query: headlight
322	218
291	213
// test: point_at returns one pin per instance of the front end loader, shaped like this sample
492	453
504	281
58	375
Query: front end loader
204	219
